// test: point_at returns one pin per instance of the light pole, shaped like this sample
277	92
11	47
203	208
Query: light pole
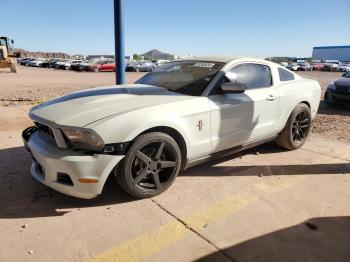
119	56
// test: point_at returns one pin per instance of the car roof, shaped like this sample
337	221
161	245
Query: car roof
218	59
224	59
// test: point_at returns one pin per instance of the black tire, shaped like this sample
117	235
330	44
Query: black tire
297	128
150	166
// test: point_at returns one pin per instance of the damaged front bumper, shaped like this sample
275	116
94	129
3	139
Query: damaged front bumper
67	171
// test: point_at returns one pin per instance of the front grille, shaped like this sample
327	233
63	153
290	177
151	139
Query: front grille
1	54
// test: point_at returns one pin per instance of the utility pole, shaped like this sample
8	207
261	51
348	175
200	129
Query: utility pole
119	56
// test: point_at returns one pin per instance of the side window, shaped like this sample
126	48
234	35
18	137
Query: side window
252	76
285	75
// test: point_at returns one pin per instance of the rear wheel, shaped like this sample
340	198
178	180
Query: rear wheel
297	129
150	166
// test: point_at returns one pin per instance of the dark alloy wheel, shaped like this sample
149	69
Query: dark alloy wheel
300	127
150	166
297	128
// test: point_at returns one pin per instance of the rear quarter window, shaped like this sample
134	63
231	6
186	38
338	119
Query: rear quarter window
285	75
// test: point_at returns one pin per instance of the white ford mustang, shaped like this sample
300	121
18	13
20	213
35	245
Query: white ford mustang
184	113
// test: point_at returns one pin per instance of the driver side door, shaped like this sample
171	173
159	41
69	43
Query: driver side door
241	118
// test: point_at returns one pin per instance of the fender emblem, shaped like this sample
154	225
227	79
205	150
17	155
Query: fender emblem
200	125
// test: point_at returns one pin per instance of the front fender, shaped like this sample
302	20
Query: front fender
182	117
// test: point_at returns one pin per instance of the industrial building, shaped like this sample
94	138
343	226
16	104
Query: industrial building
338	53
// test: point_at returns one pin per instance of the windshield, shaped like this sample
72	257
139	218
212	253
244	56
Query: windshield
184	77
3	41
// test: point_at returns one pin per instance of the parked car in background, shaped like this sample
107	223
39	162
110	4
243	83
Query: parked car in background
37	62
145	67
131	66
338	91
317	66
293	67
74	62
329	67
180	115
19	59
62	64
76	66
92	66
26	61
140	66
107	66
162	62
304	67
53	62
66	64
45	64
343	68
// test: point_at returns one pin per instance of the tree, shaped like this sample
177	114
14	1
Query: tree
136	57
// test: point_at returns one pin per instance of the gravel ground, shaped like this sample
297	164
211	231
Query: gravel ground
33	85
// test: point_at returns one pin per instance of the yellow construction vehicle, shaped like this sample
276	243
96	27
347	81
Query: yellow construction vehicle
7	59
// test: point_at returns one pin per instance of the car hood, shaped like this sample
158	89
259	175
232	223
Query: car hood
344	81
82	108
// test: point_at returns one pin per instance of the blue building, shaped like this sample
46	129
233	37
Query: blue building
339	53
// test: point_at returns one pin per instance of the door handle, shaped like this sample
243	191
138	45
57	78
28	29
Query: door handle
270	98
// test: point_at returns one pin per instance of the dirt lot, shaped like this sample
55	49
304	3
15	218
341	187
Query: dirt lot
33	85
265	204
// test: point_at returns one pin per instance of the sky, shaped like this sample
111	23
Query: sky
198	27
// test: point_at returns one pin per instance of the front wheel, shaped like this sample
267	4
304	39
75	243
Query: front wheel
13	67
296	131
150	166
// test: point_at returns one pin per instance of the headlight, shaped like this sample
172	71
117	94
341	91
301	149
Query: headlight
331	86
81	138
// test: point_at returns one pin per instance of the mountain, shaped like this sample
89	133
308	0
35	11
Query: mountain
24	53
156	54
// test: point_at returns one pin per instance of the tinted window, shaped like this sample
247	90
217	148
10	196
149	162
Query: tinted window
251	75
285	75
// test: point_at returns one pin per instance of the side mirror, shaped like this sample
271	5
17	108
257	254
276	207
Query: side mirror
233	88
